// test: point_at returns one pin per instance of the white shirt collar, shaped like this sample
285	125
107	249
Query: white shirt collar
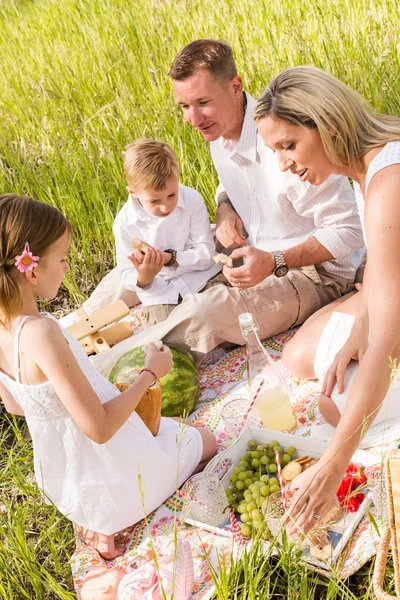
136	211
247	144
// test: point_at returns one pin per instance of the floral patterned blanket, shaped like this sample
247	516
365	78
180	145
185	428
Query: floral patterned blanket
221	374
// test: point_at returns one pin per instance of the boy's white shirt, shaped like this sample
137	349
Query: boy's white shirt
186	229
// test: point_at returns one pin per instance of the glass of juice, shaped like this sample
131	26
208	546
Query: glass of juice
274	408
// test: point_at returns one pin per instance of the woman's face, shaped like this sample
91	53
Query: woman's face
298	149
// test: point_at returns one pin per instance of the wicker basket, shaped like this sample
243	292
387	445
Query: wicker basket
391	530
149	407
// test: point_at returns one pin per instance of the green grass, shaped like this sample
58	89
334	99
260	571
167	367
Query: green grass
80	79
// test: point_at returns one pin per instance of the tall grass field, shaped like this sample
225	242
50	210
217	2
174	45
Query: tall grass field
79	80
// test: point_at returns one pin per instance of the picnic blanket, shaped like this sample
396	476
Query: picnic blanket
222	374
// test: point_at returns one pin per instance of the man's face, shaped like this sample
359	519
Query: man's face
211	106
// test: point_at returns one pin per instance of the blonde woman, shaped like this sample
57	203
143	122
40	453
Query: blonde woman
319	126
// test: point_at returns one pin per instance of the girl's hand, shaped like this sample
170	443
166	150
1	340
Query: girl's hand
158	361
354	349
316	488
153	262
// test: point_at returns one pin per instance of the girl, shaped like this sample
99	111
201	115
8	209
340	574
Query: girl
318	126
90	447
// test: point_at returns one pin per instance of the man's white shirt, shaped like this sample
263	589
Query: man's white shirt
278	210
186	229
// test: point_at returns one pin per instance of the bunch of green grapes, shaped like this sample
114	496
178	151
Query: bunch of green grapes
253	480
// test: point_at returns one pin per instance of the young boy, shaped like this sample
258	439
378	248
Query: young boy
172	221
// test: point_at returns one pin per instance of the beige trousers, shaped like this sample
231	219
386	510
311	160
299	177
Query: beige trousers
108	291
159	312
203	321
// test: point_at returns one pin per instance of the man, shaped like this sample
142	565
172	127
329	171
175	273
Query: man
291	226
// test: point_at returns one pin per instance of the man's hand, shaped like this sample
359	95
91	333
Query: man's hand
258	265
229	227
147	265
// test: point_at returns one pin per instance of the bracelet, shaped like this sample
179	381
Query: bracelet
152	372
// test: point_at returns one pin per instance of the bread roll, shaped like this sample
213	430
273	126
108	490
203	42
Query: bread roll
149	407
138	244
224	259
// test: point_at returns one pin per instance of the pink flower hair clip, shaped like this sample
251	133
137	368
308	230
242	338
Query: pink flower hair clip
26	261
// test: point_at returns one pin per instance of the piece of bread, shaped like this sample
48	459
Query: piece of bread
157	343
140	245
149	407
224	259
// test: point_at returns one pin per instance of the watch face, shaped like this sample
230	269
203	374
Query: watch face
281	271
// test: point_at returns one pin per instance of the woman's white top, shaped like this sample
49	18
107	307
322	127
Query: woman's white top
389	155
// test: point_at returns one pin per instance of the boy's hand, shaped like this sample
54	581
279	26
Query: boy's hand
139	254
151	265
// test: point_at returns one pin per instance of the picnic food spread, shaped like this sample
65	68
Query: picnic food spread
256	494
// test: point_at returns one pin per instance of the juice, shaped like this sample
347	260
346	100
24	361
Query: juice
274	409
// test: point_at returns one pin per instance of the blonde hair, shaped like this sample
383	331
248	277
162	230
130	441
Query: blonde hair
213	55
149	164
348	126
22	220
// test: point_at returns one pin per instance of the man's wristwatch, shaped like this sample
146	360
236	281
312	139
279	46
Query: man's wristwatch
172	262
281	267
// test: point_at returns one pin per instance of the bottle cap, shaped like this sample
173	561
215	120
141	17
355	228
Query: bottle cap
246	319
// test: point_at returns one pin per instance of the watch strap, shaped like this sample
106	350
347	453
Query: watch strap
172	262
279	260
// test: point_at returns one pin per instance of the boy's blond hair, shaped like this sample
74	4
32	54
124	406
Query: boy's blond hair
149	164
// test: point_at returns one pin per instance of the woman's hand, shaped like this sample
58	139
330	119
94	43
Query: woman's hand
354	349
158	361
316	488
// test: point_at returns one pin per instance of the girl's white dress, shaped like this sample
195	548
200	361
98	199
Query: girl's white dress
97	485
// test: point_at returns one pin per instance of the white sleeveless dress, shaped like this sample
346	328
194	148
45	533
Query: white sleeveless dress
338	329
96	485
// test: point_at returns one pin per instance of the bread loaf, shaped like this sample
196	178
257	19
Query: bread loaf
149	407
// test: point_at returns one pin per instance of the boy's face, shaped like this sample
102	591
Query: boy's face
159	203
